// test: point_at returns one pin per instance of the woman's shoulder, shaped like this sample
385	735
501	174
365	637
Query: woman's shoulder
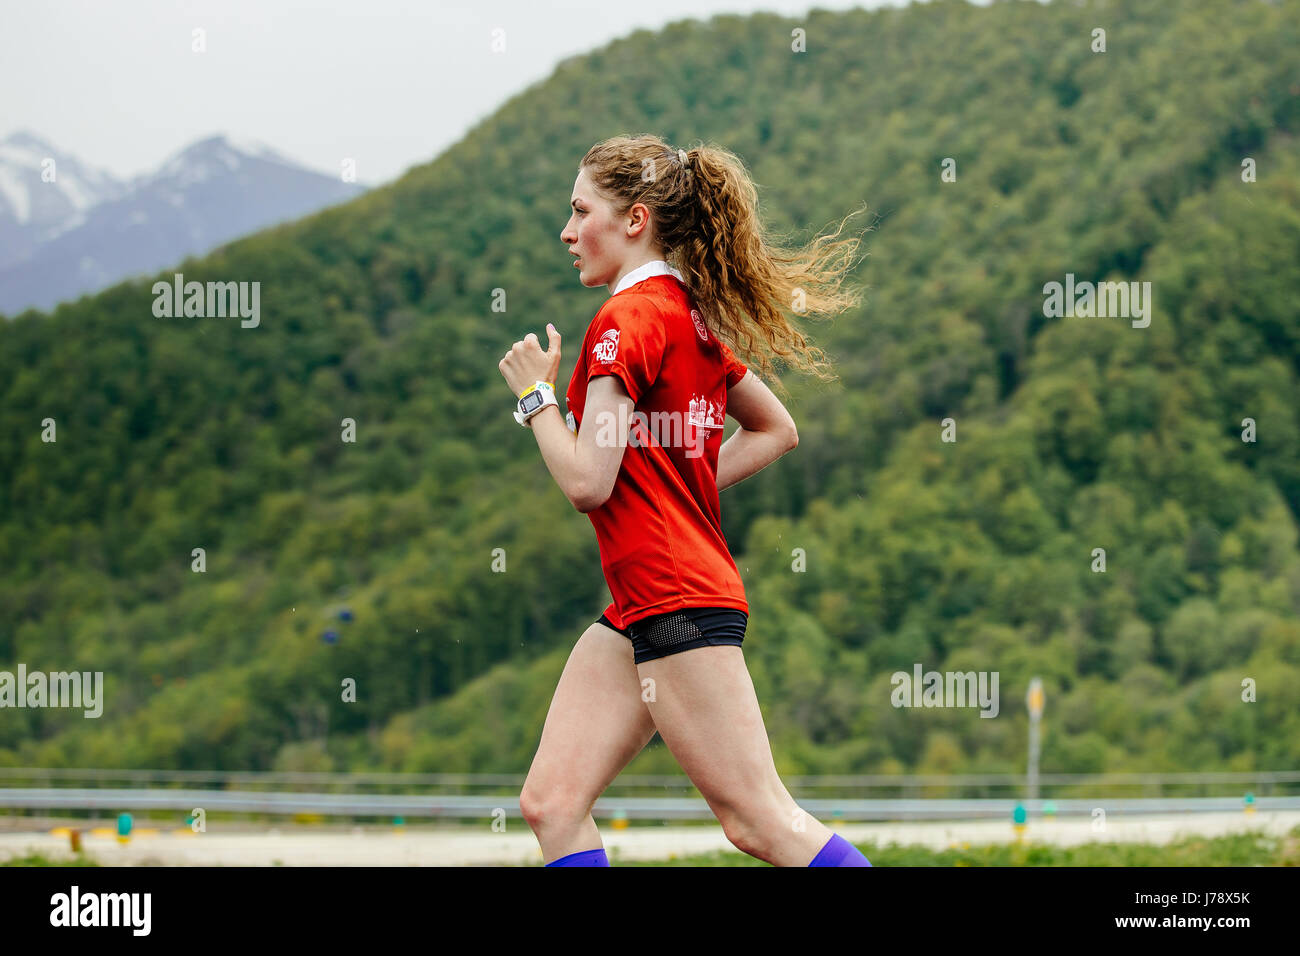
645	304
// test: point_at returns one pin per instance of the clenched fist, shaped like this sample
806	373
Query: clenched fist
526	363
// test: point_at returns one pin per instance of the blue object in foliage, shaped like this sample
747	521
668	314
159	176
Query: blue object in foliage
330	637
345	614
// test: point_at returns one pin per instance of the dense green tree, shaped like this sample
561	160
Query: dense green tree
875	546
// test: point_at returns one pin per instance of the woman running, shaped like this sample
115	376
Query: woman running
641	455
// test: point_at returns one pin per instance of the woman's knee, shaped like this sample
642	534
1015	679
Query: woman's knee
552	806
751	825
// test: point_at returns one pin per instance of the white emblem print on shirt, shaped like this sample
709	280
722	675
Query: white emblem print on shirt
606	350
703	413
699	325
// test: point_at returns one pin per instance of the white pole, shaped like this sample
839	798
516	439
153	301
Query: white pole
1035	701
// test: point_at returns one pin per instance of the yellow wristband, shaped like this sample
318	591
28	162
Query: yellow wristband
533	387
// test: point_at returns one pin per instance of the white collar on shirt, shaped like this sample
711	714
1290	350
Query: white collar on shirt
655	267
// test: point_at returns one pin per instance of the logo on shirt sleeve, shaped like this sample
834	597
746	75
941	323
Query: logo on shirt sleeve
606	350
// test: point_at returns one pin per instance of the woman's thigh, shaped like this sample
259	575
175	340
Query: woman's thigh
596	724
707	713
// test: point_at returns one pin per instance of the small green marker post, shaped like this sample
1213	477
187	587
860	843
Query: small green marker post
123	827
1249	801
1049	809
1018	820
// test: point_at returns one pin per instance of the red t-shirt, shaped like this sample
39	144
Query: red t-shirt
660	531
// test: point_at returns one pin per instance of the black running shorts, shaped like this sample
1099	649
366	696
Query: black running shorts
662	634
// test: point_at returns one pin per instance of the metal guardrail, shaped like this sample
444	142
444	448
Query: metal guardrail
1253	780
465	806
449	795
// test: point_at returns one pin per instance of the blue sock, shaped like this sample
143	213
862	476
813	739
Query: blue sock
583	858
839	852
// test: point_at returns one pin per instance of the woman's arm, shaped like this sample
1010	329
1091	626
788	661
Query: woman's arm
746	452
586	465
766	431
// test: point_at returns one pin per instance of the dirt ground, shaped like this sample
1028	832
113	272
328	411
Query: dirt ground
415	845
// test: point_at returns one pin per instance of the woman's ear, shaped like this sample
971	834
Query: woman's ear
638	219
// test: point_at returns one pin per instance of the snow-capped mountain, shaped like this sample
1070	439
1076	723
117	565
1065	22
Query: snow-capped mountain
205	195
43	193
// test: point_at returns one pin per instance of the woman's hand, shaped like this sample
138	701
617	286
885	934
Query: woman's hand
526	363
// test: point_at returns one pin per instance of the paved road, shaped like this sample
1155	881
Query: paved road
418	846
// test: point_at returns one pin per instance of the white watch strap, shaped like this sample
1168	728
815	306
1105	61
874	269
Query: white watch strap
548	398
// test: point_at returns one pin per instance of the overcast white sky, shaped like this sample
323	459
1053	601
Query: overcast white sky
390	83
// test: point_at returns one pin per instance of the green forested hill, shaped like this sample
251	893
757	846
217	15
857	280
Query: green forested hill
1072	434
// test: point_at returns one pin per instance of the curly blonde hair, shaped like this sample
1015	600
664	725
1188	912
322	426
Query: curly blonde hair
704	210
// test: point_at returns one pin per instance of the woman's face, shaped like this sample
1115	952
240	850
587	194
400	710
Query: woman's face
601	240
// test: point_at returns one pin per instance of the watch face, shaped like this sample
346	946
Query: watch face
530	401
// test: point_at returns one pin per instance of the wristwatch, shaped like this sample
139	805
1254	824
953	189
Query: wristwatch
536	397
